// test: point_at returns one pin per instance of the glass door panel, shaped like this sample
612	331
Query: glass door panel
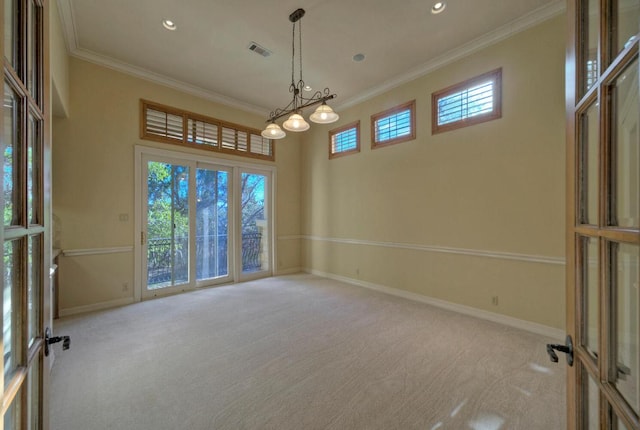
33	401
625	278
254	222
212	224
12	156
628	22
588	167
33	169
11	27
590	417
590	304
167	228
626	170
11	296
590	35
33	287
13	417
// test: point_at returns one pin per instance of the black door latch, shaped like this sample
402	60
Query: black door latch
567	348
48	340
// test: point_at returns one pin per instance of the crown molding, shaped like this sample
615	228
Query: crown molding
523	23
70	33
527	21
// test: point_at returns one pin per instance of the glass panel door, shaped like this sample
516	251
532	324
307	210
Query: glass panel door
167	225
603	212
255	226
26	203
187	218
212	225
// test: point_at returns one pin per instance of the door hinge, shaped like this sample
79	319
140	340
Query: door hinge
142	238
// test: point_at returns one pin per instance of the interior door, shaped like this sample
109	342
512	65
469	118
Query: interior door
26	202
603	214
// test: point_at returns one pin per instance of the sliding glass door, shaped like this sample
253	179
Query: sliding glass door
201	223
212	224
254	223
167	224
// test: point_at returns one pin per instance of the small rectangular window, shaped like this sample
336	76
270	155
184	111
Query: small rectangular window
344	140
202	132
470	102
393	126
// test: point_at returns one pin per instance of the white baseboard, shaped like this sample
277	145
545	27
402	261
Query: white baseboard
291	271
544	330
96	306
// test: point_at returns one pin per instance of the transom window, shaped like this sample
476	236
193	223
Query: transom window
166	124
344	140
467	103
393	126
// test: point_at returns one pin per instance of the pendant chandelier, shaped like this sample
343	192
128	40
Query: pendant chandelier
322	115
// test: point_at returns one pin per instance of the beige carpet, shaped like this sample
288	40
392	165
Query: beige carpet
300	352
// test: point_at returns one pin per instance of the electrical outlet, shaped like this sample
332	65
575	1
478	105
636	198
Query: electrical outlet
494	300
125	286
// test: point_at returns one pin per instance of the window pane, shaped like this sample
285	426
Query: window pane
589	282
591	396
466	104
12	417
394	126
590	35
11	28
33	402
625	280
11	157
11	319
254	223
34	286
627	149
34	48
621	425
588	168
34	140
212	224
628	22
344	141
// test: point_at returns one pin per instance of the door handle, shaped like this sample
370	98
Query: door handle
48	340
567	348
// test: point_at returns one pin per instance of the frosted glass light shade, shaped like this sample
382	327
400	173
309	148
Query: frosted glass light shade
273	131
324	115
296	123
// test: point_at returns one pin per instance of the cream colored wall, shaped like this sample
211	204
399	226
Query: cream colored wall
59	64
93	180
494	187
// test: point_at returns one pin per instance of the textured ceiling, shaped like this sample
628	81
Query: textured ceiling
208	53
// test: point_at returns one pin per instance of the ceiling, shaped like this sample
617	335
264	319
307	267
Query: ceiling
208	54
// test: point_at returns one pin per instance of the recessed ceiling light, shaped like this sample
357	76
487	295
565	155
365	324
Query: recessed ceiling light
169	25
438	7
307	88
358	57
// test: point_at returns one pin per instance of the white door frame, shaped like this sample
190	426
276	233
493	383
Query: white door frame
236	168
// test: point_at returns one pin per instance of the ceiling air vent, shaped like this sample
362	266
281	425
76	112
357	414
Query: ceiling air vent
259	49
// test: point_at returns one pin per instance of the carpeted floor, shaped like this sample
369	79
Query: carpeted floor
300	352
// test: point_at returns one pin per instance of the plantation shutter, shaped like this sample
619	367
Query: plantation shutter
202	132
164	124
